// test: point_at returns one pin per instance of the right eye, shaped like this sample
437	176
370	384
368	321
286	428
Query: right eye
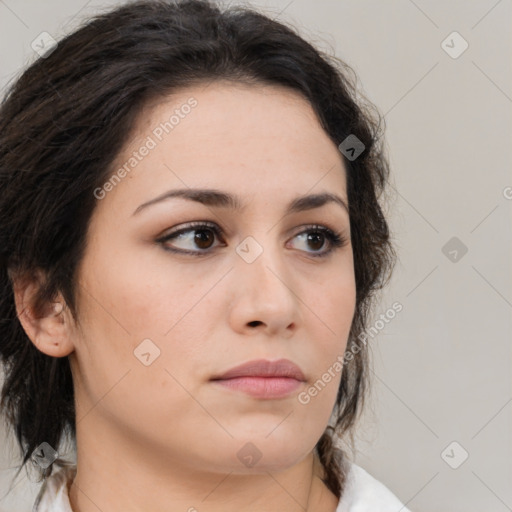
202	234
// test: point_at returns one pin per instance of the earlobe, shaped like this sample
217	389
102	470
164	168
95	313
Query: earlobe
48	331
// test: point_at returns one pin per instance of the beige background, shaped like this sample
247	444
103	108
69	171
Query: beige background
442	366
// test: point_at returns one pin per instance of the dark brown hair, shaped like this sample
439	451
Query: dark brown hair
67	117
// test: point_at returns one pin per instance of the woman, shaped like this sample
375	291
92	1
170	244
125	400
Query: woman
191	241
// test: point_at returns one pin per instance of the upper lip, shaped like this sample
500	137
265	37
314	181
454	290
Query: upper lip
264	368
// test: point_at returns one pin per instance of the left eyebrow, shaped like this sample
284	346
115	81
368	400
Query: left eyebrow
220	199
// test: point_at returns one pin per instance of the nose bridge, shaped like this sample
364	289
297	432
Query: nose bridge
263	269
262	295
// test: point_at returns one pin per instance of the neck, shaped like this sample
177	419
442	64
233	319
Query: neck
117	474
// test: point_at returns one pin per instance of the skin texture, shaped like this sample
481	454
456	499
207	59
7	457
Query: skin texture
164	437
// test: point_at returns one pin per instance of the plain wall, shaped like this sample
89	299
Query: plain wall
442	366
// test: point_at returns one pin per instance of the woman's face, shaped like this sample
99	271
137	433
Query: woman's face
158	324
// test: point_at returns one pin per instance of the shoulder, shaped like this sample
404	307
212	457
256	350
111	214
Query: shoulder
364	493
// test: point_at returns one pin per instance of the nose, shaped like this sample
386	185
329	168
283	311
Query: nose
264	298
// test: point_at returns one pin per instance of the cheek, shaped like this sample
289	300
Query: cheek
333	312
140	297
136	303
126	315
334	303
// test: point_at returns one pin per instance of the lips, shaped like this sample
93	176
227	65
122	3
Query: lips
264	368
262	379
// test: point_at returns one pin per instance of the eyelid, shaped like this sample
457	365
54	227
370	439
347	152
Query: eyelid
189	226
186	226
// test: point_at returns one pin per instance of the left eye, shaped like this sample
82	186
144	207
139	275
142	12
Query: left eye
203	235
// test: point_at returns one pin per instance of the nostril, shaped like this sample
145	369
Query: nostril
254	323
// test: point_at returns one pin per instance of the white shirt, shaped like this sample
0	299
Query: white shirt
363	493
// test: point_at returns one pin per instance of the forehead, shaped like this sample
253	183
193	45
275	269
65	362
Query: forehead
247	139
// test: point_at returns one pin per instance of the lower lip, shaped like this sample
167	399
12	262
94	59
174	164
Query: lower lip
262	387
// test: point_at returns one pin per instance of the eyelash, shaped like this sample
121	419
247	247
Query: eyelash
336	239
